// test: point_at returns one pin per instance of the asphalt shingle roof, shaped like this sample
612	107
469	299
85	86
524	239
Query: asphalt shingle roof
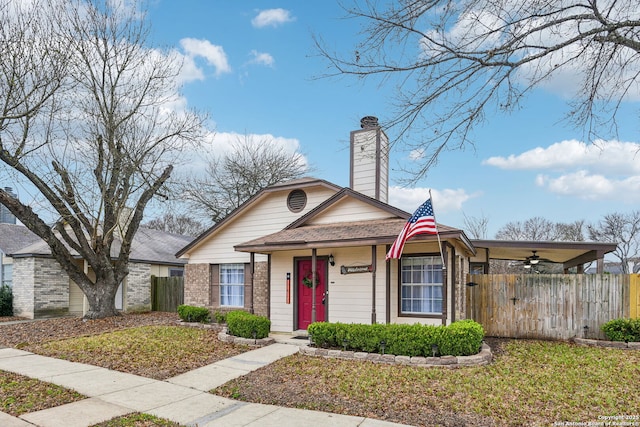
148	245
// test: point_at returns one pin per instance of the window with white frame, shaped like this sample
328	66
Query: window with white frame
232	285
421	285
6	274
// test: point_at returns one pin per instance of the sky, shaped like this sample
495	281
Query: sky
253	68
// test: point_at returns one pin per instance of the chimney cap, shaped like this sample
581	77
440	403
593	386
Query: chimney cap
368	122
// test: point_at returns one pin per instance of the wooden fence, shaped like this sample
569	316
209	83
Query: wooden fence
167	293
634	296
551	306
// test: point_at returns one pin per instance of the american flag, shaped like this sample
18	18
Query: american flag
421	222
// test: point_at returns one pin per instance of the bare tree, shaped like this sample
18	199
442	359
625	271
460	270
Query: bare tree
249	166
623	229
477	226
177	224
536	228
453	61
86	121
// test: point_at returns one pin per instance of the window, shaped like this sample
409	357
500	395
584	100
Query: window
232	285
421	285
176	271
6	274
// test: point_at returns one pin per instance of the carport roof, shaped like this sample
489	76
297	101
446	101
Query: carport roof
570	254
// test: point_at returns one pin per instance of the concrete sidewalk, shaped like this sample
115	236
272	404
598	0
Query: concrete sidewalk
183	399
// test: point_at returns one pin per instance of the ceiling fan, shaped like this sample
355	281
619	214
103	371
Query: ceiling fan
532	260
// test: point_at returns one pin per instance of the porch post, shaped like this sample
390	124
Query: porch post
373	284
387	296
313	285
252	266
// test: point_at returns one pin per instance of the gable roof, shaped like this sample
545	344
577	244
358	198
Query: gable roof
293	184
14	237
357	233
149	245
344	194
302	234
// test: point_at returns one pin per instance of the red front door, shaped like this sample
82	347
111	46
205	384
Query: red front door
305	291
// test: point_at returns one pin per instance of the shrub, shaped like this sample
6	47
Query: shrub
190	313
461	338
6	301
244	324
627	330
220	317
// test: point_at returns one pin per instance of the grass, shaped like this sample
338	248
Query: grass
532	383
138	420
157	352
20	395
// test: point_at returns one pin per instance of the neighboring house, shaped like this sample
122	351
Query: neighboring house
12	238
41	288
261	257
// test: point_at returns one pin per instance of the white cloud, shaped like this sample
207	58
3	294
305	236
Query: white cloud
601	156
261	58
409	199
272	18
603	170
588	186
213	54
417	154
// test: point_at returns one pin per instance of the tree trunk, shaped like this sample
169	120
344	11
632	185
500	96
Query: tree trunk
101	298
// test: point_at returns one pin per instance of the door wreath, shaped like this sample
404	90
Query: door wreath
307	279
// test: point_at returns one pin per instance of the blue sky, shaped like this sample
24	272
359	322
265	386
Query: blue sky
252	66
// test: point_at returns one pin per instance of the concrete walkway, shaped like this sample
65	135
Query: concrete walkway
183	399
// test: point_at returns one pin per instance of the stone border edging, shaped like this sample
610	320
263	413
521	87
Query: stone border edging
483	358
261	342
607	344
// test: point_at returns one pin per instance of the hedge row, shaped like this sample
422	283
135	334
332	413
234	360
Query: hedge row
627	330
462	338
190	313
244	324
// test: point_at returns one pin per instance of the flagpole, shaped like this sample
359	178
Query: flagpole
435	220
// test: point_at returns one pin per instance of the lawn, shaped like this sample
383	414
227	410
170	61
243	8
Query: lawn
530	383
158	352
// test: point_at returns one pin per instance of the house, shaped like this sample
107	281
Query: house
41	288
308	250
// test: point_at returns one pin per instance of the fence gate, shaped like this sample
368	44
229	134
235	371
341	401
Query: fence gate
548	306
167	293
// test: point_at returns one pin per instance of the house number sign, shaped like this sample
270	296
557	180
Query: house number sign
356	269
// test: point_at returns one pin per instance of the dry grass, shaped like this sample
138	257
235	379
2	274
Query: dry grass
534	383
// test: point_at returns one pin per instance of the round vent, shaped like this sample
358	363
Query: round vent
296	201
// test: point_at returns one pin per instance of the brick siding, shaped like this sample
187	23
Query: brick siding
138	288
196	285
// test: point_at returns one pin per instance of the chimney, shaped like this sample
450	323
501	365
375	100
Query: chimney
6	217
369	173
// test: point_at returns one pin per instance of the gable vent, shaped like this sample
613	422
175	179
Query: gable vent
296	201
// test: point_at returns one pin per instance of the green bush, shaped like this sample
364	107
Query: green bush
244	324
220	317
6	301
627	330
190	313
462	338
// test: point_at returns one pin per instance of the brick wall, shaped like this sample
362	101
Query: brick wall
462	270
138	288
196	285
50	288
261	288
23	287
